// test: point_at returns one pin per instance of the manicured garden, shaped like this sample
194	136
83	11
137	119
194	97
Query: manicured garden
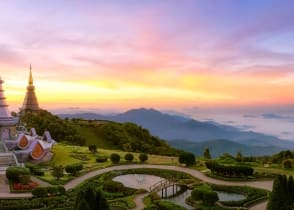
20	180
205	196
67	155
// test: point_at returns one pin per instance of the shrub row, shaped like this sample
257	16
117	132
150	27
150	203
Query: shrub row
205	194
16	173
34	169
48	191
115	158
223	170
101	159
73	169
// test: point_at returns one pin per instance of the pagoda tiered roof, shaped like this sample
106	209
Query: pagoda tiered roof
30	102
5	118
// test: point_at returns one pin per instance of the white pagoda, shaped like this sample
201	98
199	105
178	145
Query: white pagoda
18	145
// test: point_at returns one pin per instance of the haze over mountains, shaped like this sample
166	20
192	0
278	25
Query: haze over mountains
189	134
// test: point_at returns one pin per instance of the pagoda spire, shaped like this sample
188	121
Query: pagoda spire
31	81
30	102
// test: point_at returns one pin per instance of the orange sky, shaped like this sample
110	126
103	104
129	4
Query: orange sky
148	54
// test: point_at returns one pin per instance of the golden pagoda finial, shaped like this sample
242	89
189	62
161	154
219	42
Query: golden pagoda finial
31	76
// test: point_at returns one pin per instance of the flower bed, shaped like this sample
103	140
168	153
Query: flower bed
20	187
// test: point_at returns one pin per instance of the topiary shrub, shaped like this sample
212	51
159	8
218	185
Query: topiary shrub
92	148
287	163
73	169
129	157
187	158
40	192
48	191
143	157
61	190
15	173
115	158
205	194
52	190
38	172
209	198
24	179
101	159
34	169
112	186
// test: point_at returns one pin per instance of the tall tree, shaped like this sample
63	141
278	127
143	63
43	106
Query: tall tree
58	172
291	188
93	198
278	200
239	156
206	153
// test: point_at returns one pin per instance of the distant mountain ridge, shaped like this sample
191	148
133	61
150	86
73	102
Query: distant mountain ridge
173	127
219	146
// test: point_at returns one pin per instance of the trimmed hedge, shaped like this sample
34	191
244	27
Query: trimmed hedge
129	157
143	157
73	169
115	158
101	159
230	171
34	169
112	186
205	194
187	158
15	173
48	191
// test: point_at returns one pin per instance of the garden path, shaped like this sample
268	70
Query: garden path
139	201
197	174
267	185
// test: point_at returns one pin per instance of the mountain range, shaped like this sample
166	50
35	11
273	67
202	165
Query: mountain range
193	135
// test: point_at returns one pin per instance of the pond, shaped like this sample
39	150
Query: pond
223	196
138	181
226	196
144	181
181	199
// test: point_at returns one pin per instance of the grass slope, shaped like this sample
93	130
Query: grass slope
122	136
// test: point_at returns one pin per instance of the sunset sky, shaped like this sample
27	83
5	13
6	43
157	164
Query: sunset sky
161	54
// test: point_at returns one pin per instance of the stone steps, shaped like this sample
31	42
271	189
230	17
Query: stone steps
6	160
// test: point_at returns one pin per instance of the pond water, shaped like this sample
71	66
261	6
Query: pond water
223	196
226	196
138	181
181	199
144	181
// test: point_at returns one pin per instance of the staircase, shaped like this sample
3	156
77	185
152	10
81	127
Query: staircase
7	159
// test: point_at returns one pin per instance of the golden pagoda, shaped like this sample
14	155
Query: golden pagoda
30	102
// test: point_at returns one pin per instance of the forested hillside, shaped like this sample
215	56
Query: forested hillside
104	134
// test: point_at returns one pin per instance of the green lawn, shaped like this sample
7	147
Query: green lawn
93	136
65	154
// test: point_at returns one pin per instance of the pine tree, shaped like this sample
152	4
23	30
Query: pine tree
239	157
206	153
276	201
58	172
291	188
101	201
94	200
282	196
82	205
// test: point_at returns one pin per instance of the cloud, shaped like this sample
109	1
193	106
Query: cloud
278	116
